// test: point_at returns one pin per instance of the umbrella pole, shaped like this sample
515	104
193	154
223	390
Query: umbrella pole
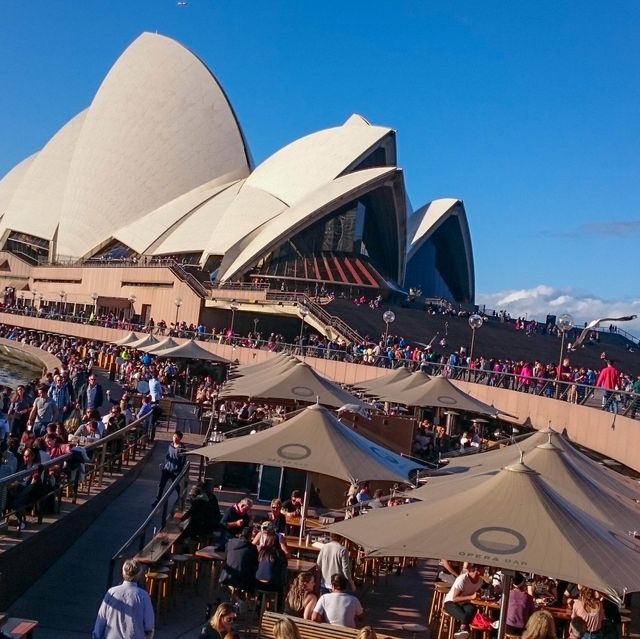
305	505
507	579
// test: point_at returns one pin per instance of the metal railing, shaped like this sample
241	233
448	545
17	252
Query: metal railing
319	313
156	520
624	402
106	454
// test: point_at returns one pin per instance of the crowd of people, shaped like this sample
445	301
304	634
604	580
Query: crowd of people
62	412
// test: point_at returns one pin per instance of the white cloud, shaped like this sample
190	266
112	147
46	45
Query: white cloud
536	302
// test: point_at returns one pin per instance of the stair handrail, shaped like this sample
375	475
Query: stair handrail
319	313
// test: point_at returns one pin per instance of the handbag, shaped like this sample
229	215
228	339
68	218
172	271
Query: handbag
482	622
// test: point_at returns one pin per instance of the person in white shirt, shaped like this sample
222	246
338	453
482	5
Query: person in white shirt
338	607
457	602
155	389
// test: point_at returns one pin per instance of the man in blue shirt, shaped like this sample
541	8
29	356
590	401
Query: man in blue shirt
126	610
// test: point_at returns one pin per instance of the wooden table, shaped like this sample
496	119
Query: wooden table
294	544
300	565
217	561
294	521
161	544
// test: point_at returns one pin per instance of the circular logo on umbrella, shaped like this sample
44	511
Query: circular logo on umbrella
302	391
445	399
498	540
294	452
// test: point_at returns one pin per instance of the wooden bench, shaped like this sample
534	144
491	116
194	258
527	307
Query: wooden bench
19	628
311	629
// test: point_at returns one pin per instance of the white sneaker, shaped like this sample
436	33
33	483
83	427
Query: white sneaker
495	624
461	634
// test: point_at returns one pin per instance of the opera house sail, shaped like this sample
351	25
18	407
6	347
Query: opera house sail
158	166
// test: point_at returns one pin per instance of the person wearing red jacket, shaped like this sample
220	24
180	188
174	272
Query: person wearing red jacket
609	379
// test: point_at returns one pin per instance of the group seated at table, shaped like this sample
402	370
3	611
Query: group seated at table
586	610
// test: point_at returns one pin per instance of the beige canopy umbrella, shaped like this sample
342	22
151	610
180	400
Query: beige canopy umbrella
564	475
299	383
439	391
241	370
167	342
190	350
147	340
515	520
129	339
251	369
317	442
400	386
243	385
486	464
384	380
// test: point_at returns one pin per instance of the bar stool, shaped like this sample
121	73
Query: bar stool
183	571
210	554
447	625
158	589
440	589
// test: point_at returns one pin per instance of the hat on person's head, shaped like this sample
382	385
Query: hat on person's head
267	525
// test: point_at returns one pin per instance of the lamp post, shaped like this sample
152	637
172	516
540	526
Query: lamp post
233	307
475	322
564	324
33	300
62	295
255	328
303	311
22	299
388	317
178	303
94	297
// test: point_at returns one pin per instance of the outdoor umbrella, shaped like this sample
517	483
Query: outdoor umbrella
167	342
129	339
564	475
317	442
147	340
190	350
299	383
514	521
243	385
403	385
384	380
251	369
439	391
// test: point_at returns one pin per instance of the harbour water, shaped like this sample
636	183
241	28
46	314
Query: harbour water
13	373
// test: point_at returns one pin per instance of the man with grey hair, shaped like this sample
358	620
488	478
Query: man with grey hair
126	611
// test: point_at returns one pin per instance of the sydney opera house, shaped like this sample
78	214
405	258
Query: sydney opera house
157	168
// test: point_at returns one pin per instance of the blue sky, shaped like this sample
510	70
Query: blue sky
527	111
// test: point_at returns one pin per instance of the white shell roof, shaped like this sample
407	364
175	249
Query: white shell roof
146	230
251	208
424	221
315	159
11	180
294	219
37	201
289	175
192	233
159	126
